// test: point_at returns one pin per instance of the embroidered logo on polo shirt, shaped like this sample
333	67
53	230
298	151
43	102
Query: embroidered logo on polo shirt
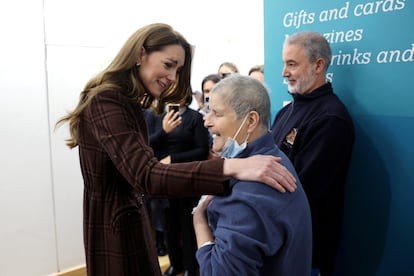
290	138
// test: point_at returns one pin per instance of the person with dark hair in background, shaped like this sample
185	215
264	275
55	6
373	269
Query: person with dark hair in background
255	230
178	143
155	205
206	85
316	132
227	68
117	164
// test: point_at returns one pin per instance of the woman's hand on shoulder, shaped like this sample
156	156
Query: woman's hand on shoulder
262	168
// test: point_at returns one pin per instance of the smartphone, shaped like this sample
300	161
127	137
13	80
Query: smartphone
175	107
206	104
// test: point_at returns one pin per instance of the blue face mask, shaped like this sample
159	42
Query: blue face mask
231	148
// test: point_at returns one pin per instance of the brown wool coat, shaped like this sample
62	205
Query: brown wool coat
118	167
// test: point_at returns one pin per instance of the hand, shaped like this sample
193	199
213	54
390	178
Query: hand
170	121
262	168
201	227
200	210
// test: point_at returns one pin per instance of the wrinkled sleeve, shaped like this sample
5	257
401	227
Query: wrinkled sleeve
119	126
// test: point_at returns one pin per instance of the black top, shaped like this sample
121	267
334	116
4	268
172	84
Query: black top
316	132
188	142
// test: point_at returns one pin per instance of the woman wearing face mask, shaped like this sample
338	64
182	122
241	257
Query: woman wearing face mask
118	166
255	230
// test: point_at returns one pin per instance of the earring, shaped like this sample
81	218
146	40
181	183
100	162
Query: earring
138	64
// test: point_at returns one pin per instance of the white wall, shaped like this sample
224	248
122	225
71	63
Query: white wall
48	50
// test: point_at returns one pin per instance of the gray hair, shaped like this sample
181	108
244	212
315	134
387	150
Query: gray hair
244	94
314	44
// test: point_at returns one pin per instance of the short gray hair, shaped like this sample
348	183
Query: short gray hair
244	94
314	44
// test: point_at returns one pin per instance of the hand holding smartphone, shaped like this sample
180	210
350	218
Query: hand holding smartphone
175	107
171	120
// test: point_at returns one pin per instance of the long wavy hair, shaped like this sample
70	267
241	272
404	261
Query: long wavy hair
122	75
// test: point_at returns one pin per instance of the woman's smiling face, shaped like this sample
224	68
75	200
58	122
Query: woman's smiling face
159	69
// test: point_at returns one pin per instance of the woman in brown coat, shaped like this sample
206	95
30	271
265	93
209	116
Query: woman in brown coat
117	164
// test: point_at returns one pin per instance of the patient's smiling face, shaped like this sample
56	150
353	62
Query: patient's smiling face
222	122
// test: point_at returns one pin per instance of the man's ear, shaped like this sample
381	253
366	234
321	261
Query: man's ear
320	65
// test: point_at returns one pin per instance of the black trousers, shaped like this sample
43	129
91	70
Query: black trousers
180	236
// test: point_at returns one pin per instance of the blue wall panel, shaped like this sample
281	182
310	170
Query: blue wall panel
376	85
